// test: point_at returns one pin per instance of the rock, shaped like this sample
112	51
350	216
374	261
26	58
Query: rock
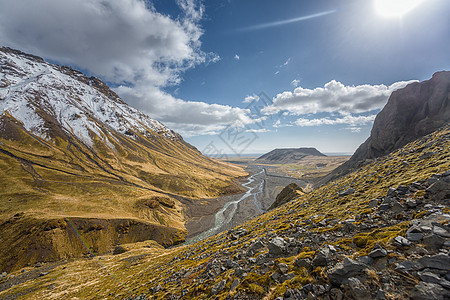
285	277
276	246
397	207
433	242
347	192
400	241
414	236
373	203
429	291
119	250
345	270
336	294
283	268
367	260
357	289
275	276
234	284
256	246
231	264
289	193
157	288
239	272
433	278
322	256
377	253
218	287
407	266
441	231
411	203
440	262
440	190
303	263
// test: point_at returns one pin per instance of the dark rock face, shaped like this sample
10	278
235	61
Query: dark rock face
412	112
289	193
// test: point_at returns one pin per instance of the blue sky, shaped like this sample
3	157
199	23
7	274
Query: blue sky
321	69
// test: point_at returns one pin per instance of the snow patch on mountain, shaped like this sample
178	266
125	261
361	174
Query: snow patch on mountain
31	88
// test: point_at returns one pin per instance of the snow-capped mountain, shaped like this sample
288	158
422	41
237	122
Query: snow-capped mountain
36	93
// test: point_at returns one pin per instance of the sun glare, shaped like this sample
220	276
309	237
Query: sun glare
395	8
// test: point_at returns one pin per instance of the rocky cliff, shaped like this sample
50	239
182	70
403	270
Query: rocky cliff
411	112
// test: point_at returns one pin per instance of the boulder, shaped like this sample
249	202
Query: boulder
429	291
342	271
276	246
439	261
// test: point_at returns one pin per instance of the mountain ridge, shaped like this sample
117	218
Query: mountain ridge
71	148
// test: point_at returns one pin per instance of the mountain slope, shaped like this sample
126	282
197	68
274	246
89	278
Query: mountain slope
411	112
387	238
71	148
288	155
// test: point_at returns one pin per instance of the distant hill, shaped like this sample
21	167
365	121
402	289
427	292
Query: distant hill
288	155
411	112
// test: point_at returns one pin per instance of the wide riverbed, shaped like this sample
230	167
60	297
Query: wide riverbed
261	190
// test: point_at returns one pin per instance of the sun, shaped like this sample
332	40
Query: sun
395	8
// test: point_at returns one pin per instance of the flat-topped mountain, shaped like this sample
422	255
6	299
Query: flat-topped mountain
74	156
288	155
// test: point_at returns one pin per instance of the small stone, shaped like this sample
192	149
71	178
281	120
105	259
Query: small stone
373	203
336	294
401	241
407	266
414	236
411	203
347	192
234	284
218	287
377	253
322	256
441	231
303	263
157	288
283	268
367	260
276	246
285	277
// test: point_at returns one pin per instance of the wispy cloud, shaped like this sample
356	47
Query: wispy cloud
289	21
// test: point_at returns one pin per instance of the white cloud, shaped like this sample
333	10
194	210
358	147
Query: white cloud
126	42
334	97
186	117
295	82
286	62
350	120
236	57
251	98
261	130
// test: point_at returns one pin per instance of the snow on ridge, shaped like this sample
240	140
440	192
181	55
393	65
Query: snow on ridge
28	86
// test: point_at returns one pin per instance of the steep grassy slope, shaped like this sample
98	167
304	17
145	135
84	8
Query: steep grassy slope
71	149
294	250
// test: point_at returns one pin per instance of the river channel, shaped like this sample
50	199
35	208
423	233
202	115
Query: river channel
262	189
